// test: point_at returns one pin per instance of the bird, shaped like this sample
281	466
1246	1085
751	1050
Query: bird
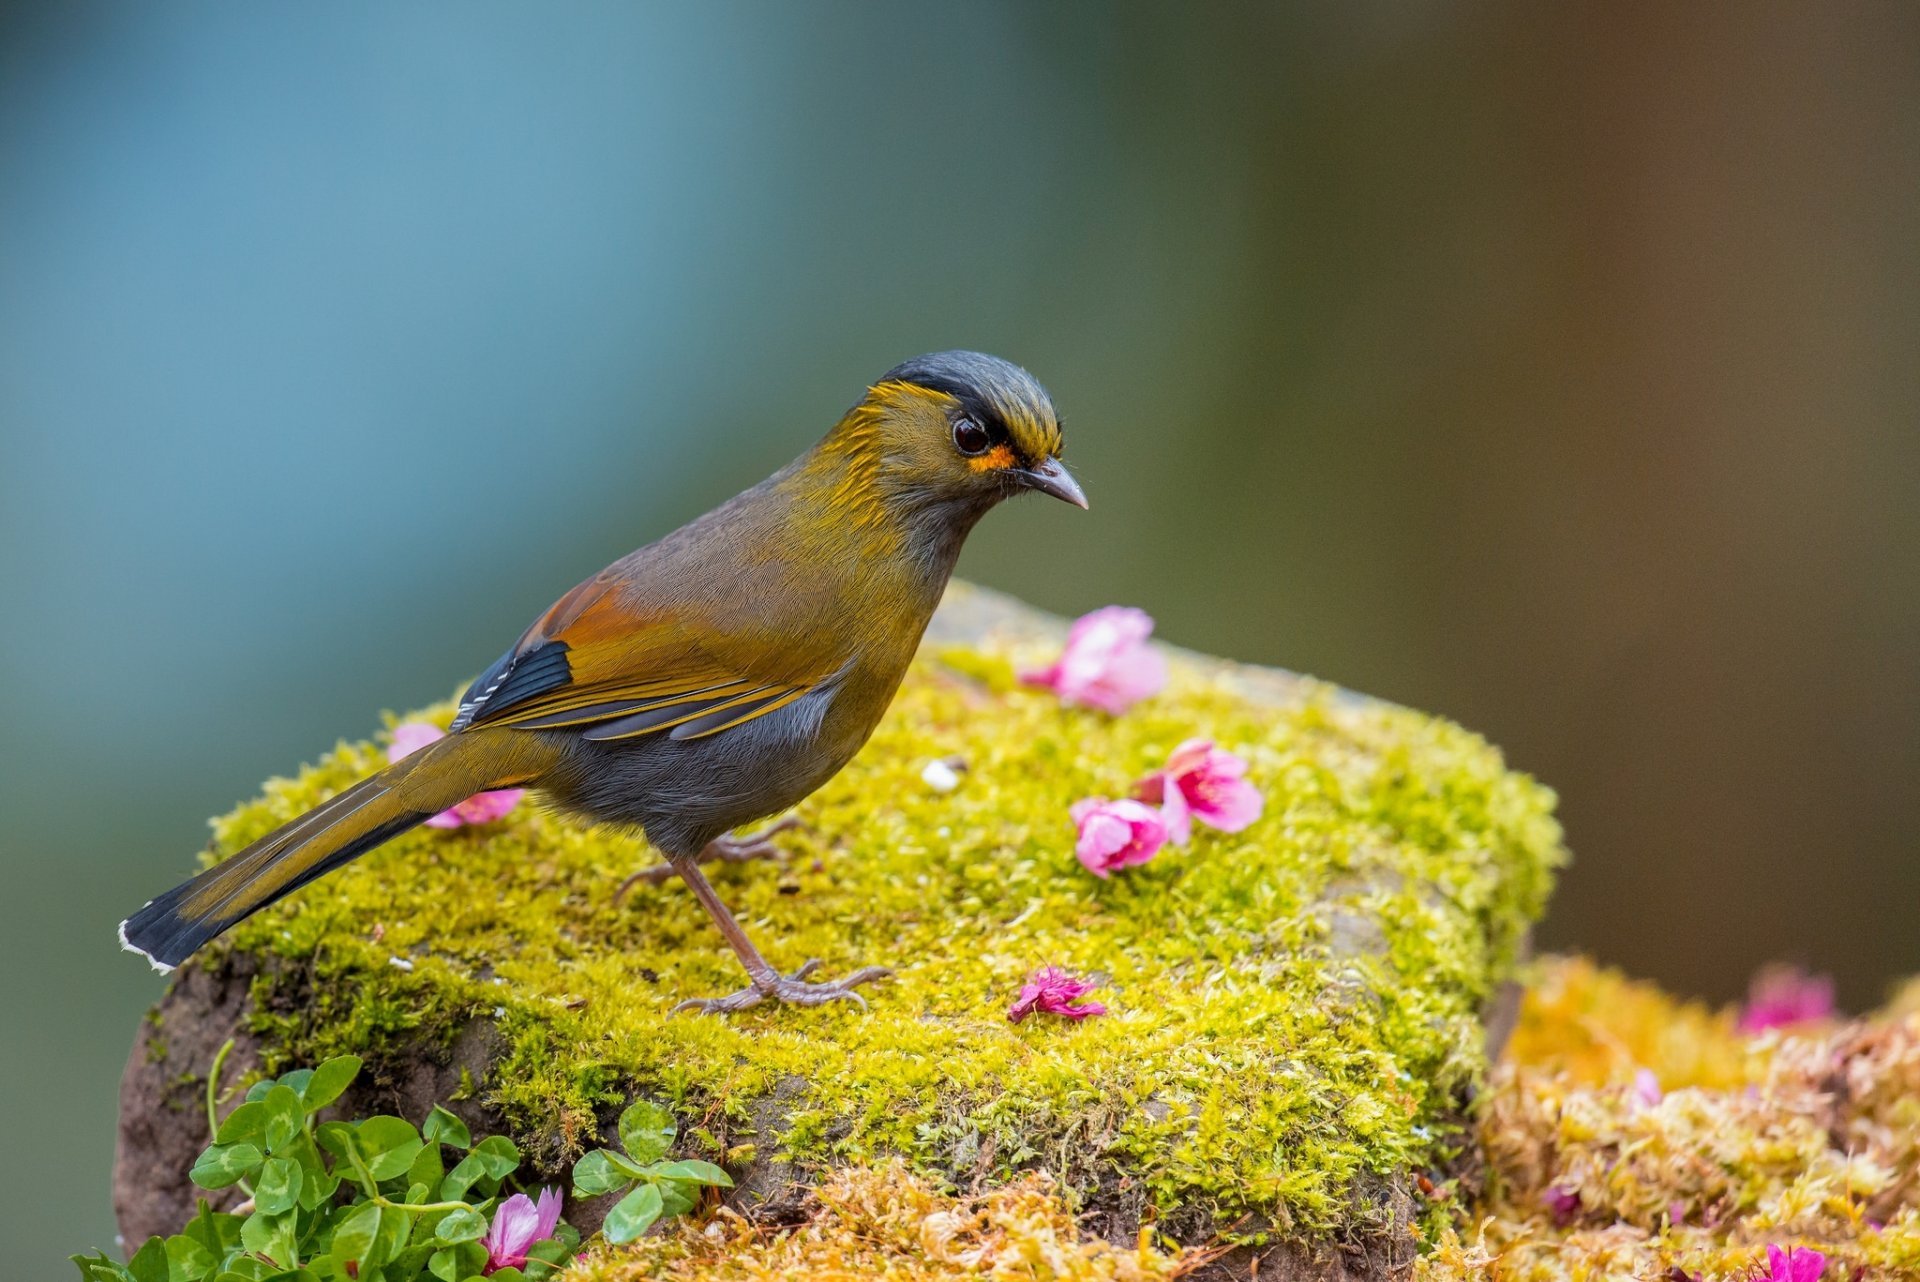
711	679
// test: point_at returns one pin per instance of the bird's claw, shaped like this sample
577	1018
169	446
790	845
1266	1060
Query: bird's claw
727	850
792	989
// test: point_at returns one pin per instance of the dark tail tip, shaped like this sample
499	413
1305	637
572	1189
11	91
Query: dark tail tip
161	935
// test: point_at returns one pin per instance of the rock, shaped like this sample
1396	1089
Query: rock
1297	1016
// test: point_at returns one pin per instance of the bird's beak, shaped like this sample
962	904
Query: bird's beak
1049	477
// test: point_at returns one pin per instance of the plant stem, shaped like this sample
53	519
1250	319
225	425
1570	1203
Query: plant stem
213	1090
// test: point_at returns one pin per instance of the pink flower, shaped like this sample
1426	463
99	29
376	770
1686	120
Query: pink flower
1795	1264
1646	1088
1205	783
517	1225
1052	991
1563	1204
1107	663
481	808
1781	996
1116	834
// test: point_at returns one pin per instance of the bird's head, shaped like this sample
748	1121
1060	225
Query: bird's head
956	432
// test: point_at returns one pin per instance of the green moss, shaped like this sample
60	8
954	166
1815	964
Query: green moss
1252	1062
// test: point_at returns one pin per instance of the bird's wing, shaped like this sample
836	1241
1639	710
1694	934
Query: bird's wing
594	663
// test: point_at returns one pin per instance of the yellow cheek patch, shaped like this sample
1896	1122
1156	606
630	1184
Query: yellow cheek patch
998	457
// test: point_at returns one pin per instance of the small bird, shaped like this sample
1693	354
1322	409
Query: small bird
708	680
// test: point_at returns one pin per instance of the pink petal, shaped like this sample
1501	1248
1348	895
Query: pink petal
1053	991
485	807
1101	838
1646	1088
512	1231
411	736
1177	816
1107	663
549	1216
1116	834
1189	756
1228	804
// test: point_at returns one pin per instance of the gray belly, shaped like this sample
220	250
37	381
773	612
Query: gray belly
685	792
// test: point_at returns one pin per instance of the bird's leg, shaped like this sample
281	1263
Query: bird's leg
766	983
728	850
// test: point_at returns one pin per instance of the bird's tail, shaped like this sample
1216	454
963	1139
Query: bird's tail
407	793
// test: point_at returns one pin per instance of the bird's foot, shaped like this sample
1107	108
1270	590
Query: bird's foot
728	850
791	989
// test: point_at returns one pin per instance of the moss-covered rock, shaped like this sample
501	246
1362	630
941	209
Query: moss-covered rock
1295	1010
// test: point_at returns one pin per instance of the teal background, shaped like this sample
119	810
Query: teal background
1551	367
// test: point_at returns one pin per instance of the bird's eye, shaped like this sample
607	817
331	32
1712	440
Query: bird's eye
969	437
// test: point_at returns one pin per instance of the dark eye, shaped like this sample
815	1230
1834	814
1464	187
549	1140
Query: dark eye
969	437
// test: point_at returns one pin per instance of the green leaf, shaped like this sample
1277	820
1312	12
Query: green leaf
498	1156
258	1091
297	1080
676	1198
187	1260
336	1138
245	1269
294	1275
245	1125
224	1164
377	1135
278	1189
597	1173
632	1215
216	1232
395	1161
508	1274
461	1178
149	1263
427	1167
353	1240
317	1191
270	1235
285	1118
647	1131
456	1262
396	1226
444	1128
100	1267
693	1171
456	1227
328	1081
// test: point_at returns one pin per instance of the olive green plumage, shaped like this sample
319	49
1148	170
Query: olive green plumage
709	679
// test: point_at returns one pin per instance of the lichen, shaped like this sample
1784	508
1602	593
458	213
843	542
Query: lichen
1294	1008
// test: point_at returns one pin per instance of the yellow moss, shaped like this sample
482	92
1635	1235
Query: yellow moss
1597	1026
885	1223
1247	1068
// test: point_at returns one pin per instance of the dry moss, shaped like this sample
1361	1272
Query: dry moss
1294	1008
1810	1138
885	1223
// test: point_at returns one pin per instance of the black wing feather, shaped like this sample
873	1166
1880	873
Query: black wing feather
515	677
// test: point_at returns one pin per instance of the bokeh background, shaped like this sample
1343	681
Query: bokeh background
1553	367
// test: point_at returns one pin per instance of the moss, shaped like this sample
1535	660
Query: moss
1294	1008
884	1223
1809	1138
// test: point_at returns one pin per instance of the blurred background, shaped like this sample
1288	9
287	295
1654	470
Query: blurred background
1553	368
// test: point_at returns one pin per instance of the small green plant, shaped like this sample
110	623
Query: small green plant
656	1188
371	1200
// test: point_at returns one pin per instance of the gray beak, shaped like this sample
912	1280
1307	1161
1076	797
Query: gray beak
1051	478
